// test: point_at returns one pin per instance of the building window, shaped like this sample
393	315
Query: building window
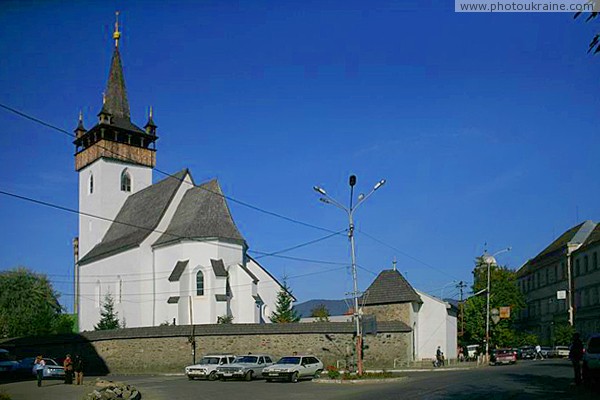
199	284
595	261
564	271
585	264
577	269
125	181
91	186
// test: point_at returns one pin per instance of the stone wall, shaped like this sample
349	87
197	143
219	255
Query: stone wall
390	312
168	348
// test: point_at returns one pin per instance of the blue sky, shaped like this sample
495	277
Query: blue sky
483	125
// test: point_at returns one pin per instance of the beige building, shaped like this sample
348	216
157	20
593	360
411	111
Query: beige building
569	266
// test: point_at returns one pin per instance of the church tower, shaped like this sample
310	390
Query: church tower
114	158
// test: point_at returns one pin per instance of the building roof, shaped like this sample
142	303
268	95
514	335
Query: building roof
178	270
138	217
592	239
250	274
390	287
218	267
202	214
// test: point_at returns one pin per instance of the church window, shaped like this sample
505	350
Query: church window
595	261
199	284
91	183
125	181
585	264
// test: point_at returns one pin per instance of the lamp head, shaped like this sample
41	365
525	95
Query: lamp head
379	184
320	190
361	196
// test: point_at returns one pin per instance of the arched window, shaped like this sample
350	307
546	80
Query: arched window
199	284
91	183
125	181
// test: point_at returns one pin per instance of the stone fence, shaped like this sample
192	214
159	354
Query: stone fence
167	349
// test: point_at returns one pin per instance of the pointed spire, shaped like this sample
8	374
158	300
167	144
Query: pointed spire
80	130
150	126
114	101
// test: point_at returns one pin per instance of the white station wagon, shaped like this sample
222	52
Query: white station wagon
293	368
207	367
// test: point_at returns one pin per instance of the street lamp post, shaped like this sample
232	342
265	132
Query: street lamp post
350	211
489	260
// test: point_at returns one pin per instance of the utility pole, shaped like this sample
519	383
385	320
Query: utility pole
461	285
76	280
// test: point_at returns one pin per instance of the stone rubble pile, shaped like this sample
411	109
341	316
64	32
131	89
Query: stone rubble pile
113	390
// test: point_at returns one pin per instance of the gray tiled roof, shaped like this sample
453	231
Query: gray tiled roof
173	300
178	270
218	267
202	213
390	287
221	297
138	217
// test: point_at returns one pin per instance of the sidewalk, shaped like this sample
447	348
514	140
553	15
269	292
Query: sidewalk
50	390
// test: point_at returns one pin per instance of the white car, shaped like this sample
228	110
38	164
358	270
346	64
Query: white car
247	367
293	368
207	367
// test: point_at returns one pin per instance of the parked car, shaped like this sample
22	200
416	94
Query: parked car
247	367
561	351
24	366
7	362
294	368
591	361
51	370
503	356
527	352
207	366
546	351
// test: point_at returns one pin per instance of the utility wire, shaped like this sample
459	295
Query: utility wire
233	200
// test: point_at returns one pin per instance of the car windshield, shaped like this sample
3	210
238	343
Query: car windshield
209	360
50	361
594	345
289	360
246	359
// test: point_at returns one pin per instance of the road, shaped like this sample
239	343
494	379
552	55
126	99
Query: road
549	379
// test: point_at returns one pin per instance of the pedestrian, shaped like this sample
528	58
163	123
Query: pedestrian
78	368
439	357
538	352
38	367
575	355
68	365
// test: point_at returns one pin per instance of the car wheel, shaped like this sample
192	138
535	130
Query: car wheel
318	374
269	380
248	376
294	377
212	376
191	378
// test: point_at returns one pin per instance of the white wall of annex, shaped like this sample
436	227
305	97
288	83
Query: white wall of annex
431	332
268	288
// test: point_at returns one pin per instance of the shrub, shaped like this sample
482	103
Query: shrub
333	372
4	396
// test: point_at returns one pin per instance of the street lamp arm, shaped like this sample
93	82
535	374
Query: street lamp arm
329	200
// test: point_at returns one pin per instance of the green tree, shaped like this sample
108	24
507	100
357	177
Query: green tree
29	305
320	312
108	316
284	312
503	293
563	334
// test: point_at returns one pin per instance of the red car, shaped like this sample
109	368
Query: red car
503	356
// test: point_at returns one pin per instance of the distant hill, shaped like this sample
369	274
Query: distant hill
335	307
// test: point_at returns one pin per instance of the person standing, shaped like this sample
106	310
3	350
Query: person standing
68	365
78	368
575	355
38	366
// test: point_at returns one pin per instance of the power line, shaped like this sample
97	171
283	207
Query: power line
406	254
233	200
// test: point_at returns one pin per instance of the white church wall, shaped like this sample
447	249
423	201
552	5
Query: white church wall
268	288
432	328
106	199
451	336
243	305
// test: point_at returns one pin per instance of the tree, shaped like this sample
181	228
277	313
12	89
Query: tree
563	334
108	316
503	293
284	312
320	312
595	42
225	319
29	305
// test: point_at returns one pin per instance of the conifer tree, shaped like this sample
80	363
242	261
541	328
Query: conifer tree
108	316
284	312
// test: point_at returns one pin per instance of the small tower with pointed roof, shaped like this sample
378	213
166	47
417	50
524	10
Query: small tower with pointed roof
114	158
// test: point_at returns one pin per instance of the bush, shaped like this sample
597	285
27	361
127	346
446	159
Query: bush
333	372
4	396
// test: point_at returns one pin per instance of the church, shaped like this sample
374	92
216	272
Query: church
167	252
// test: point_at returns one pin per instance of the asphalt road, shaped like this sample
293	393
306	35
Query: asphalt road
548	379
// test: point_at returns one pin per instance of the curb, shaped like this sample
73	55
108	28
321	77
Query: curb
359	381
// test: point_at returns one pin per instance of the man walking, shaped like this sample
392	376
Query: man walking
538	352
38	366
575	355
